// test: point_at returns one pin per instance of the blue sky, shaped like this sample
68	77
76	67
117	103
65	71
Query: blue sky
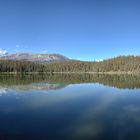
80	29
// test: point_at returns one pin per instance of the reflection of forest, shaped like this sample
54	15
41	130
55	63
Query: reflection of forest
27	82
57	81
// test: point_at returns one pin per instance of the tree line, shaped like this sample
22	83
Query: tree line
118	64
20	66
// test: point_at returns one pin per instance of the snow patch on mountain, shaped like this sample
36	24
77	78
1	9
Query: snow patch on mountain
33	57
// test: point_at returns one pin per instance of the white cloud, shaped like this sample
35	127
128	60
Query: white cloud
3	91
3	52
99	60
17	46
79	58
44	51
15	50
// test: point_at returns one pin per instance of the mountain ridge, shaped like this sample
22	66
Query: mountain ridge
35	57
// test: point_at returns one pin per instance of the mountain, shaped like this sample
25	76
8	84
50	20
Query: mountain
35	57
61	64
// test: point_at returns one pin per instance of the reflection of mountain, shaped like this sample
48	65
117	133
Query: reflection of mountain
26	83
35	86
39	86
56	81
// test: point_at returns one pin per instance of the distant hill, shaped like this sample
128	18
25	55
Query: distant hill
35	57
120	64
60	64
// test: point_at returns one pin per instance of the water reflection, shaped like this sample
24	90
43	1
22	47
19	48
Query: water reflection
78	112
56	81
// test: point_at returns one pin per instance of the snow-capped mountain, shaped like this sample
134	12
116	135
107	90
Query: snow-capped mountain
34	57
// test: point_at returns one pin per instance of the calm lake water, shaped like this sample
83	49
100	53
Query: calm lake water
69	107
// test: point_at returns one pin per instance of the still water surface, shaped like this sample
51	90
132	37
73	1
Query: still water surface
69	107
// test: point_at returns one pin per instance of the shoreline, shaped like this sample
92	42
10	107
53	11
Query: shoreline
97	72
109	73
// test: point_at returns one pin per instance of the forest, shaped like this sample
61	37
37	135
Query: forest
21	66
120	64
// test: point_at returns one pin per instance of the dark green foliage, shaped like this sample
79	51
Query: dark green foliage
20	66
118	64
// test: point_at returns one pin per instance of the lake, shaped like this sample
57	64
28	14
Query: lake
70	107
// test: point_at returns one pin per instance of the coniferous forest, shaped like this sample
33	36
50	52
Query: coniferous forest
119	64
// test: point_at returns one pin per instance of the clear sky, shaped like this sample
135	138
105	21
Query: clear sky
80	29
